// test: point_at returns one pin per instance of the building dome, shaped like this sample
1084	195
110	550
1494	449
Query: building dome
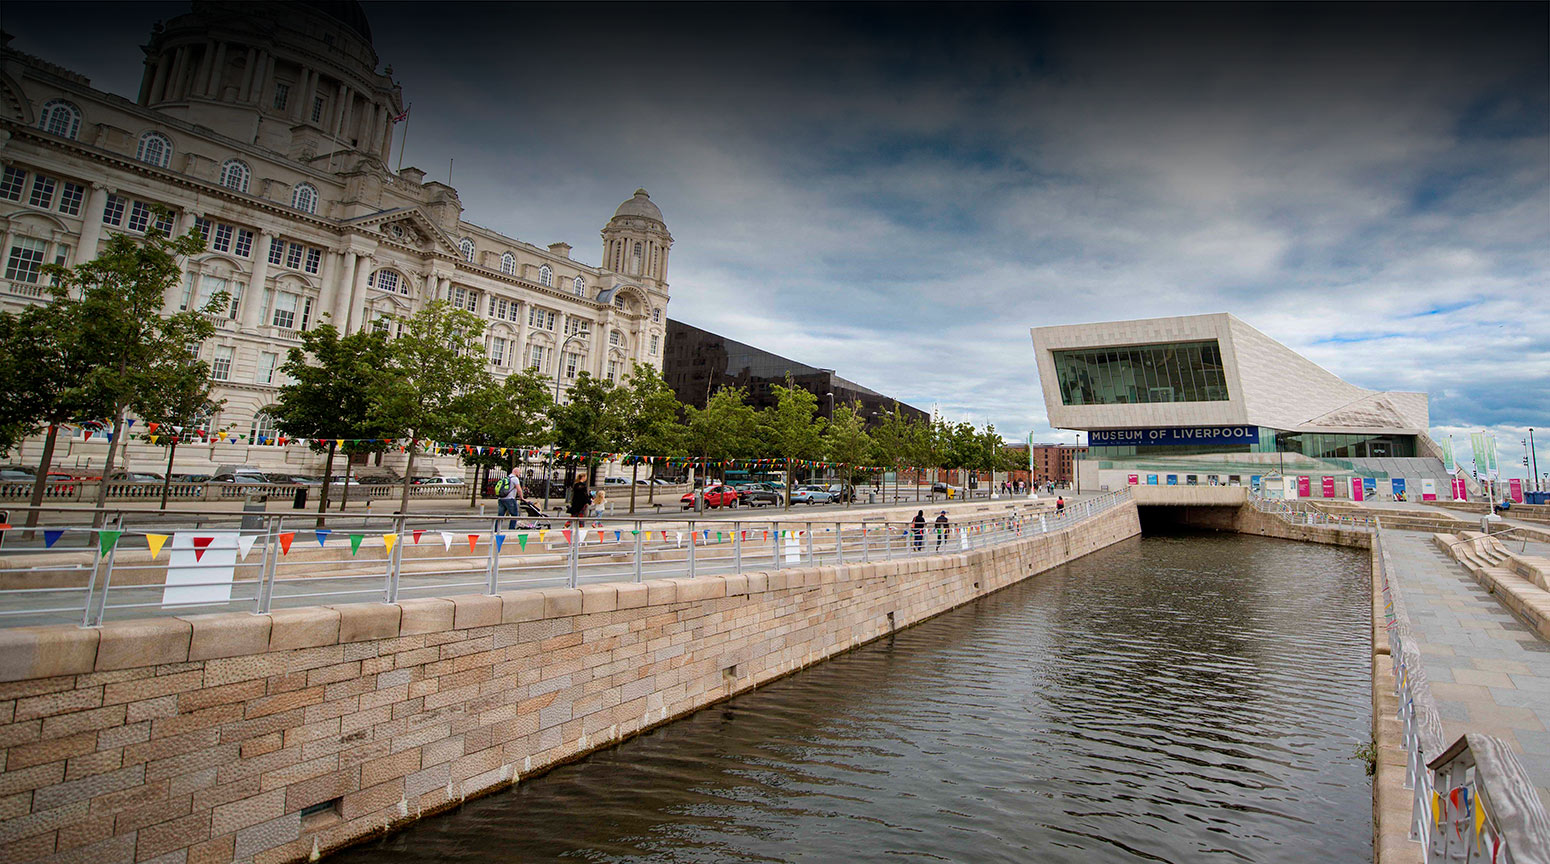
347	12
639	205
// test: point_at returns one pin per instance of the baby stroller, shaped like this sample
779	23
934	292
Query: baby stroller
529	512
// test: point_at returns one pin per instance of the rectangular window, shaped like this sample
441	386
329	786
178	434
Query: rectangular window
70	199
221	242
113	211
318	102
276	251
268	361
497	351
139	216
26	259
203	228
282	94
285	306
220	368
244	245
535	357
232	305
42	192
306	313
1164	372
164	223
613	370
292	255
12	183
571	362
314	259
653	343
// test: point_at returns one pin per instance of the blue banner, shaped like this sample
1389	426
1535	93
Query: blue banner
1173	436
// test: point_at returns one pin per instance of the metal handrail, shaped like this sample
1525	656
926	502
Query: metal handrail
261	561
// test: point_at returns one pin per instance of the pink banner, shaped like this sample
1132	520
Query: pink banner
1357	493
1304	487
1515	489
1135	479
1460	489
1328	487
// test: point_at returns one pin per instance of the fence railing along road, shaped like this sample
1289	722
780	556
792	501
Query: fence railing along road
134	567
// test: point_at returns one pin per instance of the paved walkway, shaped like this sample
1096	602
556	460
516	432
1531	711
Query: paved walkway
1489	673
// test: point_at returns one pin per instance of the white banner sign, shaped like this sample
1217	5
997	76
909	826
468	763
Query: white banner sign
200	567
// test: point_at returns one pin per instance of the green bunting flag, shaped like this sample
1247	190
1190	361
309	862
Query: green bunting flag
355	542
106	540
522	542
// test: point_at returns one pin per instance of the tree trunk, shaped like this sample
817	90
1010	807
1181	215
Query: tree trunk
634	473
473	494
651	489
166	480
40	483
344	497
328	479
107	469
403	501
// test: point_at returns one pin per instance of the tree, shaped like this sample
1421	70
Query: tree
45	363
179	399
846	441
510	417
437	359
587	423
890	443
120	295
792	428
333	381
648	414
725	428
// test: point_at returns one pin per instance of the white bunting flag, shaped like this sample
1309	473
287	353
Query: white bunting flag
245	545
446	539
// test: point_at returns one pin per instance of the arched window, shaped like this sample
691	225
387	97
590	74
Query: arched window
635	255
619	300
390	281
466	247
509	264
60	118
545	276
579	286
155	149
305	198
235	175
264	429
656	316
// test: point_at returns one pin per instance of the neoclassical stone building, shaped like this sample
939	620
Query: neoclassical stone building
270	127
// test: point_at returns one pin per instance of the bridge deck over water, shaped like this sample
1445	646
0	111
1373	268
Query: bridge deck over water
1489	672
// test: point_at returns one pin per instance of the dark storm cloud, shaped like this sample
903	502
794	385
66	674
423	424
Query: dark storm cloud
900	191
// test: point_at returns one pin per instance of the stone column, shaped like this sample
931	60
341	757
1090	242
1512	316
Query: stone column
245	89
308	94
91	223
202	76
339	315
253	300
363	268
159	81
217	71
521	347
341	111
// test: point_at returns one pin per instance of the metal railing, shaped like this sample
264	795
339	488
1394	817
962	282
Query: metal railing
126	490
143	563
1298	512
1472	800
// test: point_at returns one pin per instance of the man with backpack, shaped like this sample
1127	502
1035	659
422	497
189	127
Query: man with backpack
509	491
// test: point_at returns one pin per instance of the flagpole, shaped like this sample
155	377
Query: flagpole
404	139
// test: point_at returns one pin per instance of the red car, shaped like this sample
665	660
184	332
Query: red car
715	496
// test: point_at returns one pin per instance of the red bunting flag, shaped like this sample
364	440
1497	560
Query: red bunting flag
417	533
285	542
200	544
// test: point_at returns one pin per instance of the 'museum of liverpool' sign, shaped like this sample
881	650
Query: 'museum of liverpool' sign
1174	436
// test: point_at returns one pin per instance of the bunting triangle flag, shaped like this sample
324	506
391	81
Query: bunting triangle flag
542	535
417	533
618	536
87	436
106	540
153	438
155	541
285	542
566	532
222	435
388	540
601	538
200	545
245	545
500	540
152	427
522	542
355	542
446	540
323	535
472	539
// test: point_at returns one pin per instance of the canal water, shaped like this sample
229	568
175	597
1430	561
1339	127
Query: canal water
1184	698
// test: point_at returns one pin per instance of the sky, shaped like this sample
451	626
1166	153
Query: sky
900	191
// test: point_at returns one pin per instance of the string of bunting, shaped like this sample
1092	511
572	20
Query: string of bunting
154	433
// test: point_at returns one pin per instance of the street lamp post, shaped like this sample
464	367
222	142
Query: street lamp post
549	459
1534	458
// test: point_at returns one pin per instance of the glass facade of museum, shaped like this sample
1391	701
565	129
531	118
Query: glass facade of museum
1135	374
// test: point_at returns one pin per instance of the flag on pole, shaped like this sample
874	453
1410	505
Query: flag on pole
1447	455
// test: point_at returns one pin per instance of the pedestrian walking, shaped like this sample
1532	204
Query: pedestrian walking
1060	505
918	530
599	499
580	499
941	529
509	492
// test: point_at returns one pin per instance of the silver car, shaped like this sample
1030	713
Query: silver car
811	495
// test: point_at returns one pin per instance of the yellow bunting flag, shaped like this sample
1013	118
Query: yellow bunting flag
542	535
1436	808
1479	822
156	541
388	540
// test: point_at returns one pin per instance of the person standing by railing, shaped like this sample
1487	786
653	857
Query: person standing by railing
941	529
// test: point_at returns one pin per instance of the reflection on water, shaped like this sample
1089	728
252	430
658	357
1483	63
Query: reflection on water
1180	698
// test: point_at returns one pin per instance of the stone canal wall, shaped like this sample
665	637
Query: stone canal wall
1247	520
271	738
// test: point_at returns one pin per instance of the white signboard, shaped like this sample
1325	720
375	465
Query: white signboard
196	575
1290	486
793	549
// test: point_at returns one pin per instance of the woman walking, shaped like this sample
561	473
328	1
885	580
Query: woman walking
918	530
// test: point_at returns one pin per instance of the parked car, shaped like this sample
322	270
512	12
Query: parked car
379	480
437	481
842	492
758	494
11	475
191	478
715	496
135	477
616	481
811	495
242	478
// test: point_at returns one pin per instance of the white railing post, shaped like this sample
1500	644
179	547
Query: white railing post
810	559
775	542
638	551
265	596
395	564
839	544
691	548
107	577
865	551
737	546
492	578
573	559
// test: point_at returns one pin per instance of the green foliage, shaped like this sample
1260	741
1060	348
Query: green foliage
648	414
119	328
846	440
511	414
44	362
727	427
333	382
179	399
791	429
588	422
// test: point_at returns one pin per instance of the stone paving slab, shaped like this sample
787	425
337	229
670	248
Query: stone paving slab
1489	672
